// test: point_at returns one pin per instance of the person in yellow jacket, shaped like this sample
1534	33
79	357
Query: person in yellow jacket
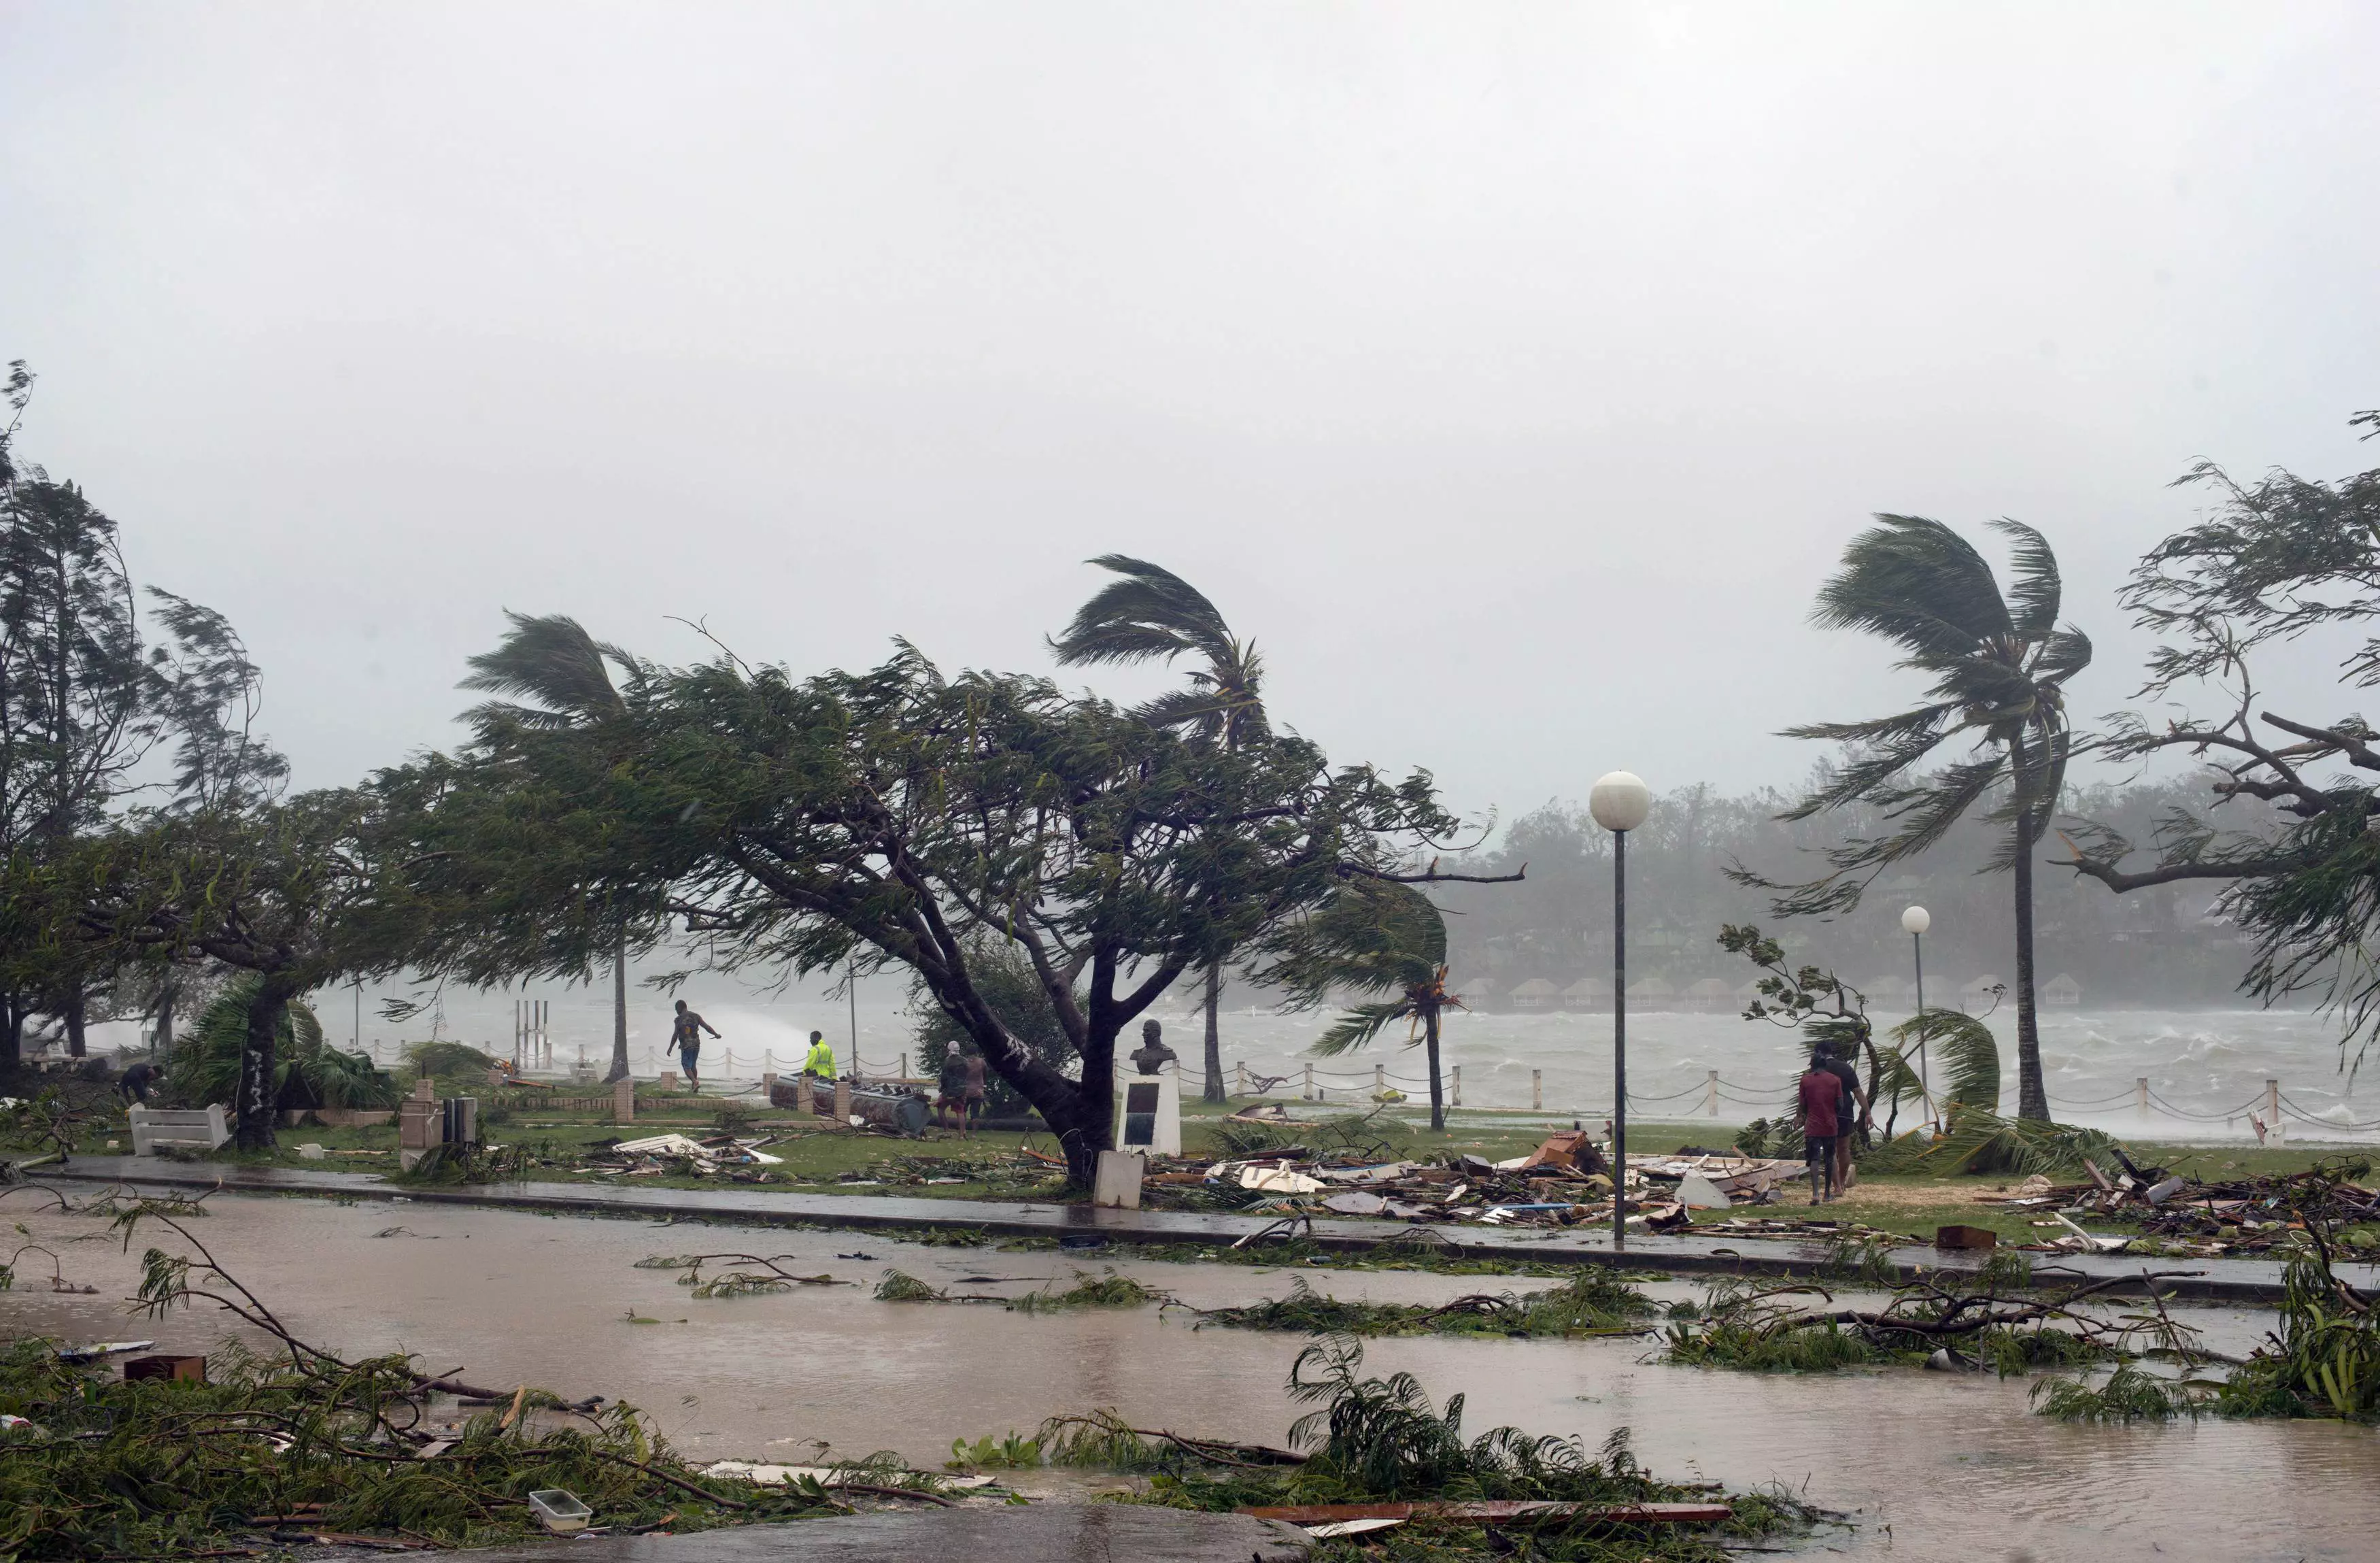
822	1059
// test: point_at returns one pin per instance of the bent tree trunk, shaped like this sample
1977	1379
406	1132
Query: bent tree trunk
257	1099
1214	1092
619	1012
1436	1093
2032	1097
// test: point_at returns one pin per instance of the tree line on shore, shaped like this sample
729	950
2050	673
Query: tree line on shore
738	815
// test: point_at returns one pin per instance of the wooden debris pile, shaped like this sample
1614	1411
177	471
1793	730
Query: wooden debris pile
2235	1217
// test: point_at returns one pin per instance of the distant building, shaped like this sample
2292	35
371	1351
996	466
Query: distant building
2061	989
1886	990
1978	995
1711	993
1536	994
1479	994
1653	993
1745	992
1587	992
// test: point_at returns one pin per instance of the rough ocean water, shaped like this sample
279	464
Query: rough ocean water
2207	1070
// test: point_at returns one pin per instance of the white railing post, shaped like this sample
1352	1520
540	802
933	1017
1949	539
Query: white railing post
1710	1093
1309	1082
1379	1079
2273	1110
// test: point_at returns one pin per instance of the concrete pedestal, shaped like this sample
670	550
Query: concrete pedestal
1116	1183
1147	1114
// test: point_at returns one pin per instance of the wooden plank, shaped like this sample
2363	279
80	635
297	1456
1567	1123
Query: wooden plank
1612	1514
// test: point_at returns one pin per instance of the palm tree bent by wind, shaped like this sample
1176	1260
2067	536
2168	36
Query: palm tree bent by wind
552	661
1152	614
1999	665
1372	937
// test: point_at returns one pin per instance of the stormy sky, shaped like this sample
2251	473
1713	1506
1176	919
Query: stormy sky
1510	374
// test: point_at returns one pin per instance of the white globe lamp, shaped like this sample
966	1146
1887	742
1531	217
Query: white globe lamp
1619	800
1916	919
1619	803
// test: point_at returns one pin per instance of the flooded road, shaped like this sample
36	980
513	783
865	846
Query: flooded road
1935	1466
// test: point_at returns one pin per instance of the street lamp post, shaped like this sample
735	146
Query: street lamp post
1619	803
1917	919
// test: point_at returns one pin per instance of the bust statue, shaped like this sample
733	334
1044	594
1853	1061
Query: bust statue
1152	1055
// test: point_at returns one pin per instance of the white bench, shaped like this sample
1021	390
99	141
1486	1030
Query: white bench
152	1127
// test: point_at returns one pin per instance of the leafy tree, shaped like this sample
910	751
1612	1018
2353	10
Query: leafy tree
73	705
82	702
2276	560
286	892
1370	936
554	663
891	818
1999	664
1152	614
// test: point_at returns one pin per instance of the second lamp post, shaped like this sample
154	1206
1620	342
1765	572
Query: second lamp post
1619	803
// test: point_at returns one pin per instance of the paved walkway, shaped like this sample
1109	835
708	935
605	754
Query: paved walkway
1086	1532
2220	1280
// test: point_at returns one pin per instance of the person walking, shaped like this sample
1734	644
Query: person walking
950	1094
686	1032
820	1061
1853	1109
1822	1124
974	1087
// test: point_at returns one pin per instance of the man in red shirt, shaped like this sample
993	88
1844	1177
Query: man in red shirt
1822	1122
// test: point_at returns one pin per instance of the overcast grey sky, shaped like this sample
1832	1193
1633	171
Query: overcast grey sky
1511	374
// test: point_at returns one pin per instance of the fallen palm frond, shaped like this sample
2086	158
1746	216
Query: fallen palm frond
2130	1394
899	1286
1975	1139
1109	1290
1102	1440
1592	1301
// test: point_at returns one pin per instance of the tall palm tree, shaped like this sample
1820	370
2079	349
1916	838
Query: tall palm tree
1372	937
1152	614
1999	663
550	660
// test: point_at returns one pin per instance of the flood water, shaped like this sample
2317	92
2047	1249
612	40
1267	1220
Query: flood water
1935	1466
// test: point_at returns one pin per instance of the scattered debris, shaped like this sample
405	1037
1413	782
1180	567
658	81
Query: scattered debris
2190	1218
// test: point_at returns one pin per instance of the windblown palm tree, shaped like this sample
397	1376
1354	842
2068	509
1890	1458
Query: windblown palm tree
1152	614
1999	665
550	660
1372	937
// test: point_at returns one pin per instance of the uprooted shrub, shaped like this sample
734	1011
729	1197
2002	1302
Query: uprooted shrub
1983	1319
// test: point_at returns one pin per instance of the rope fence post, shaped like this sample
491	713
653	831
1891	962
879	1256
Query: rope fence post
1710	1093
2273	1111
1457	1073
1309	1082
1239	1080
2141	1096
1538	1090
1379	1079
